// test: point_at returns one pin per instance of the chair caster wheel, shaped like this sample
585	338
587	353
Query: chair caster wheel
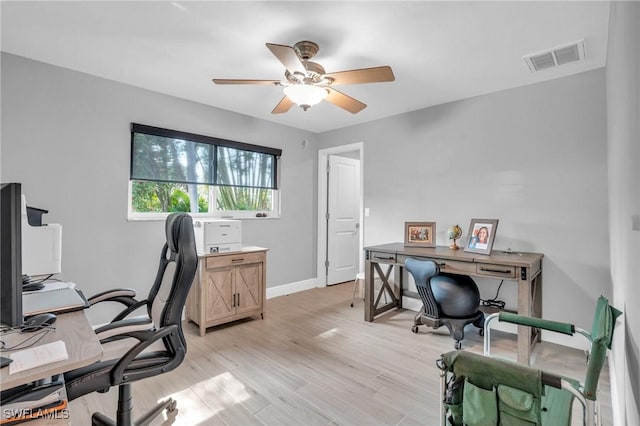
481	331
458	346
414	329
172	406
352	305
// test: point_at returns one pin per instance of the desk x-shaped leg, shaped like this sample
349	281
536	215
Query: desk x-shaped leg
385	288
373	270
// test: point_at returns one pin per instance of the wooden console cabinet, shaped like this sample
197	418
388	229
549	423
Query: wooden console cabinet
228	287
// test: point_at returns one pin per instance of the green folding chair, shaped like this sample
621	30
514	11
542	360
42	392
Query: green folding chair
481	391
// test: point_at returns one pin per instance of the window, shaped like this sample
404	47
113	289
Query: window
176	171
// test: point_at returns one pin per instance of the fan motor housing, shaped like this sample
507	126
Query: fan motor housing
314	69
306	49
315	73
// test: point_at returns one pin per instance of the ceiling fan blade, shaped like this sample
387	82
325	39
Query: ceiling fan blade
236	81
283	106
288	56
346	102
365	75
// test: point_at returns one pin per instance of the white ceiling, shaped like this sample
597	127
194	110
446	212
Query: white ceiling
439	51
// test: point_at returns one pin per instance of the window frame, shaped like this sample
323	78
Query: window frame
246	214
214	212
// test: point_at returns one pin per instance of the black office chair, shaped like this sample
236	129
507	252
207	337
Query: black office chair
448	299
178	263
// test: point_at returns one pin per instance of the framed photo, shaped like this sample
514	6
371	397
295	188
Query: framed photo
481	235
420	234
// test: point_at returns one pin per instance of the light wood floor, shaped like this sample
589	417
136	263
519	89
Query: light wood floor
313	360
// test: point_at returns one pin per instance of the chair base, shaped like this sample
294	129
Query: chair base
454	325
125	411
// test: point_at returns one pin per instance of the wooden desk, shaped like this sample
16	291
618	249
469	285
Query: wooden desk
83	348
523	268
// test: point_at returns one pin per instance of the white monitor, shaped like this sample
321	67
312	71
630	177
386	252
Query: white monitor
41	247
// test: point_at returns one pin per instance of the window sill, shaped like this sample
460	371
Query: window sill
161	217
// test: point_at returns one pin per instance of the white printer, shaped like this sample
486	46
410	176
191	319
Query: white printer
217	235
41	245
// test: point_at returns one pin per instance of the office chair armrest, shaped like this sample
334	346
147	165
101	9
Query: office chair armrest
118	330
127	311
126	296
119	370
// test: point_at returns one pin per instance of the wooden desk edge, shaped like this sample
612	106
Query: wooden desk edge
521	259
72	328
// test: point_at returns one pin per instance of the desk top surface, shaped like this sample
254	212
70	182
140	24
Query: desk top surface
443	252
83	348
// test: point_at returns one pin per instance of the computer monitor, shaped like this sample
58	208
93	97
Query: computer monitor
11	254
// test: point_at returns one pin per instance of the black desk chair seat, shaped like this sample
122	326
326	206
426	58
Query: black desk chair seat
448	299
178	263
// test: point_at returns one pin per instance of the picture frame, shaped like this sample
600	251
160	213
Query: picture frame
482	232
420	234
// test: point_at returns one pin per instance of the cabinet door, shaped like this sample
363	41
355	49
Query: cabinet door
219	291
248	287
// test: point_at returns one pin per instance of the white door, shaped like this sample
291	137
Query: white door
343	216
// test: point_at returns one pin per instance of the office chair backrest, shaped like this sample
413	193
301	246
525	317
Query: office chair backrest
422	272
145	358
604	322
178	264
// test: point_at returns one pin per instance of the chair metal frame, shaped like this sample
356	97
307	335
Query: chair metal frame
586	392
590	409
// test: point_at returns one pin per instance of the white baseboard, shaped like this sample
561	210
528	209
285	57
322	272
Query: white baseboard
576	342
411	303
284	289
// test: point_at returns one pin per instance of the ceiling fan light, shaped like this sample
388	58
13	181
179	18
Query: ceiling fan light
305	94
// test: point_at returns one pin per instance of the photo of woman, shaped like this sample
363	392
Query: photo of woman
481	236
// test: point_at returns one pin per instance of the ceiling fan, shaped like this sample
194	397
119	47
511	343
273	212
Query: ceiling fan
306	83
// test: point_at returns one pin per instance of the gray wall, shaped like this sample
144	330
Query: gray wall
533	157
65	136
623	136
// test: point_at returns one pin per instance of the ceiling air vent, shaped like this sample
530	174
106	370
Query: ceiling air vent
556	56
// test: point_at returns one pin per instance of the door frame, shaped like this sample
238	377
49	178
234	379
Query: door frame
323	154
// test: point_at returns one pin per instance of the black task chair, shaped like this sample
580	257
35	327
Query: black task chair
449	300
178	263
